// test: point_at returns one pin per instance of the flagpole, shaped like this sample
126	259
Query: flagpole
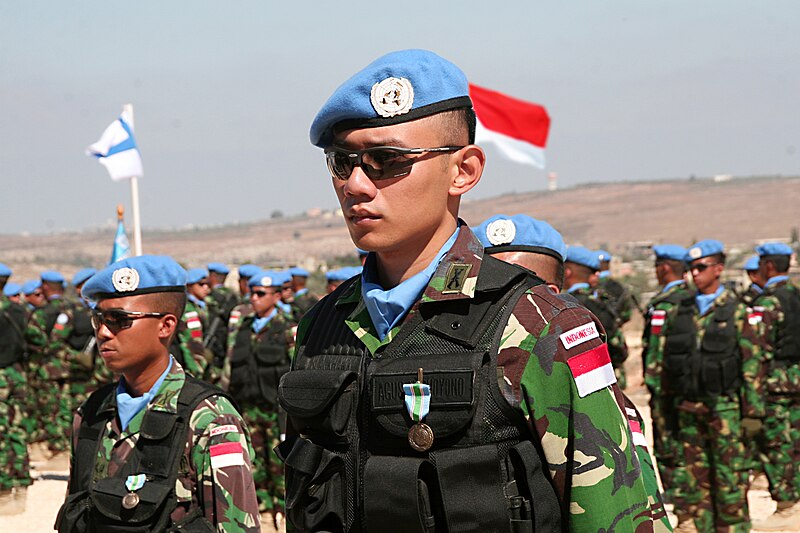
137	228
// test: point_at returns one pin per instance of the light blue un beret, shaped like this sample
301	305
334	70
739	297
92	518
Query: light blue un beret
342	274
219	268
704	249
144	274
299	272
669	251
83	275
501	233
398	87
751	263
247	271
583	256
12	289
196	275
604	255
4	271
266	278
51	276
30	286
773	248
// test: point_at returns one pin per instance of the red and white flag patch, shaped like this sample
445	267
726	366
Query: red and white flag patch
592	370
579	335
234	318
755	315
657	320
194	324
226	454
638	435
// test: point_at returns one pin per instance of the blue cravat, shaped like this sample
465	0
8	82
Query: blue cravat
604	274
197	301
577	286
775	279
704	301
671	284
259	323
128	406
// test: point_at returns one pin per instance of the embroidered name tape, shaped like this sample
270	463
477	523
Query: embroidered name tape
579	335
220	430
451	388
592	370
226	454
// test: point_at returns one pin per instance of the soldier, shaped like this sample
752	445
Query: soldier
620	296
14	467
158	450
188	347
261	349
777	313
712	364
303	299
580	266
245	272
13	292
221	302
670	269
34	297
756	282
287	292
435	318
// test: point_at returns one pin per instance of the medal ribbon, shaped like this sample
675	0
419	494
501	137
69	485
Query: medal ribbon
135	482
417	399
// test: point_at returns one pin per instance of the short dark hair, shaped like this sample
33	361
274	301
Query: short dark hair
677	267
582	271
718	258
458	125
781	262
167	302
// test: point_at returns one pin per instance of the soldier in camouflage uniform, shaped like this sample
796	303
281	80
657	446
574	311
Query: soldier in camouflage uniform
245	273
261	347
362	449
713	364
188	346
33	296
303	299
221	301
580	265
776	312
756	287
159	450
621	298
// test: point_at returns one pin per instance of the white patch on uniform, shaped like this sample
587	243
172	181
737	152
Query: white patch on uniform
658	317
579	335
392	97
220	430
62	319
234	318
192	320
501	231
226	454
696	253
125	279
631	412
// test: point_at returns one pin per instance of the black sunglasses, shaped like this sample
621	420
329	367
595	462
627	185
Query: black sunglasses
701	267
261	294
378	162
116	319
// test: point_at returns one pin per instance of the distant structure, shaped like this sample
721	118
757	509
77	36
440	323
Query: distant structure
721	178
552	181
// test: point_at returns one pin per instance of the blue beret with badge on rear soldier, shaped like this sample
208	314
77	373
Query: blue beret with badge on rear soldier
144	274
501	233
247	270
704	248
395	88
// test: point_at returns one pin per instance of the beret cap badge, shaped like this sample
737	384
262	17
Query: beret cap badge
392	97
125	279
501	231
695	253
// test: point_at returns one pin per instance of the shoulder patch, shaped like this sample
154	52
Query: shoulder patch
592	370
226	454
636	430
579	335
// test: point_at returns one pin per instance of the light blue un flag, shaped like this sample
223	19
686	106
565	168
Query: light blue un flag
122	248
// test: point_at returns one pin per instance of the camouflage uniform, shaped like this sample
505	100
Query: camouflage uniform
711	485
223	494
778	443
660	313
303	301
192	354
750	295
586	441
264	418
619	296
220	301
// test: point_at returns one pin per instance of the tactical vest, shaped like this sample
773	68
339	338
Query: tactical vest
673	298
607	316
12	337
352	467
95	506
708	369
787	349
258	362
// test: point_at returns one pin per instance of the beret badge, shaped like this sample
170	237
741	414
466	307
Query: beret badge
695	252
266	281
125	279
501	231
392	97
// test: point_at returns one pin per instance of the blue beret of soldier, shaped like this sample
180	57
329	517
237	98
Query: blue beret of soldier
219	268
704	249
501	233
395	88
604	255
196	275
5	272
773	248
83	275
338	274
266	278
751	263
669	251
51	276
144	274
248	270
30	286
299	272
583	256
12	289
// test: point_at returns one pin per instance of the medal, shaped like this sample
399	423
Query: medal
418	404
133	483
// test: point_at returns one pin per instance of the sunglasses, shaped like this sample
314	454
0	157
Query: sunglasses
378	162
116	320
701	267
261	294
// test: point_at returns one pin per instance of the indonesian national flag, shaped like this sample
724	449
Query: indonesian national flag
592	370
657	321
636	428
226	454
518	128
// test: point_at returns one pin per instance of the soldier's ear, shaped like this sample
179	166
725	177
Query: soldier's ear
467	167
169	325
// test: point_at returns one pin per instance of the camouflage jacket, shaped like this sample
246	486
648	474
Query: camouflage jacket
196	357
611	323
234	319
750	295
767	316
225	493
585	435
44	365
620	297
302	303
71	347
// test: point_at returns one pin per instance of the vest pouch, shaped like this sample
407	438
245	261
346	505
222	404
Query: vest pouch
268	380
108	515
315	490
74	513
319	402
535	506
193	522
411	481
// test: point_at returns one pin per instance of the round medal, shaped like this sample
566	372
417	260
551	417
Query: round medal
130	500
420	437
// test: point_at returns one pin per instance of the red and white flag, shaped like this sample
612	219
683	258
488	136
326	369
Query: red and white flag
592	370
226	454
657	320
518	128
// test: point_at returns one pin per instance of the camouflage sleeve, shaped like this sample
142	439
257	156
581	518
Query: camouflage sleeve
62	360
654	356
13	437
35	335
221	458
234	323
754	367
562	375
190	338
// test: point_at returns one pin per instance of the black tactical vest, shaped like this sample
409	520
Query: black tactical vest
787	349
608	317
258	362
12	337
95	506
351	466
707	369
672	297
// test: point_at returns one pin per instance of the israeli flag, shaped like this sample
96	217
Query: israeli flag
117	151
122	248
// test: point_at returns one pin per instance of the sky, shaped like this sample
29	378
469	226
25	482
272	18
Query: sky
224	93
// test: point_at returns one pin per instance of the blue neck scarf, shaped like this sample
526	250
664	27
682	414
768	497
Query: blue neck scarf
387	307
259	323
604	274
301	291
704	301
200	303
129	406
577	286
775	279
756	288
671	284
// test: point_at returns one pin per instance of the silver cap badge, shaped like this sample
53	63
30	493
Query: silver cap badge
125	279
501	231
392	97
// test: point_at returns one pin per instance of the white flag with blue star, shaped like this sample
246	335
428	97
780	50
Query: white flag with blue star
117	151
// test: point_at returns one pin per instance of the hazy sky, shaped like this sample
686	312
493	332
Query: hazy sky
224	93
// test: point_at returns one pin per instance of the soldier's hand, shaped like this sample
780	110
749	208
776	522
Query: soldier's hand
751	427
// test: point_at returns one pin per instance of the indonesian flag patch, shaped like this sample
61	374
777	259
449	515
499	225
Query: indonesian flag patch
657	320
226	454
636	431
592	370
194	324
234	318
755	316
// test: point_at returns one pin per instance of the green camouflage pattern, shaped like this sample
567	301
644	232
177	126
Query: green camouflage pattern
220	302
587	441
302	303
227	493
750	295
196	357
